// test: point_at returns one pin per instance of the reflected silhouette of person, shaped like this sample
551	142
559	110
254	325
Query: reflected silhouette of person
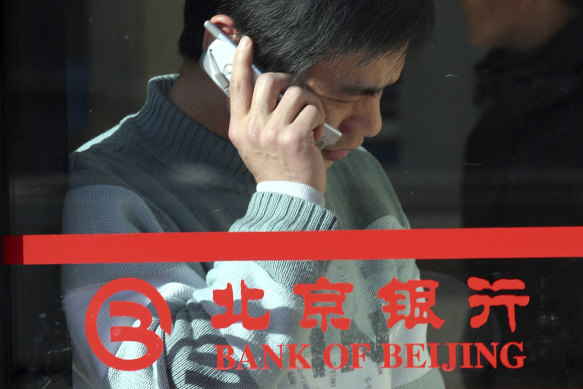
524	162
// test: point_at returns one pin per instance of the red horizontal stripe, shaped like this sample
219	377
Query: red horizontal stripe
539	242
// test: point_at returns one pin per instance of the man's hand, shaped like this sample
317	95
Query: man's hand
274	137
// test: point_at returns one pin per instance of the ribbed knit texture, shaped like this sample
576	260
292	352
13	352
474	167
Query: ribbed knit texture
160	171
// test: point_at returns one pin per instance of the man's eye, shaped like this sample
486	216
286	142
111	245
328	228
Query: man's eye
344	101
374	93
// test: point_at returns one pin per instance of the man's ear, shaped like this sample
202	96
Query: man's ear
226	24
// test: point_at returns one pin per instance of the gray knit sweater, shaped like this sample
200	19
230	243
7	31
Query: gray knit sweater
159	171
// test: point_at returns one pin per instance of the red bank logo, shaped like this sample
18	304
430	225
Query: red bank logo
139	334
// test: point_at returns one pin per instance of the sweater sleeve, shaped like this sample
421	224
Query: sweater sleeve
190	356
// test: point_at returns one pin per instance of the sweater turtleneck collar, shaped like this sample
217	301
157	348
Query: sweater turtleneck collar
184	140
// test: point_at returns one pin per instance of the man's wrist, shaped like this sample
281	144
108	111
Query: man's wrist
290	188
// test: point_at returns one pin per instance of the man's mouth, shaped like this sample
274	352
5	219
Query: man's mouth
335	155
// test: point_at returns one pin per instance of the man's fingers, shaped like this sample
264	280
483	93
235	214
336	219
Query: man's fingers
310	117
268	89
241	88
294	101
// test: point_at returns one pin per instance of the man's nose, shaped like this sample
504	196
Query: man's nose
366	117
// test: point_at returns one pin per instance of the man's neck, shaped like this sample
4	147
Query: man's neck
201	100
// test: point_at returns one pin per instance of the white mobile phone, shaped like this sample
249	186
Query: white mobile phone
217	62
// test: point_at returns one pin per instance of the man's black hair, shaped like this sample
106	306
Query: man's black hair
291	36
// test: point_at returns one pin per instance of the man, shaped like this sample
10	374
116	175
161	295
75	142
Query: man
524	166
193	160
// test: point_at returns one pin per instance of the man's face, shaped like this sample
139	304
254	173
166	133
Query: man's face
491	22
351	96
